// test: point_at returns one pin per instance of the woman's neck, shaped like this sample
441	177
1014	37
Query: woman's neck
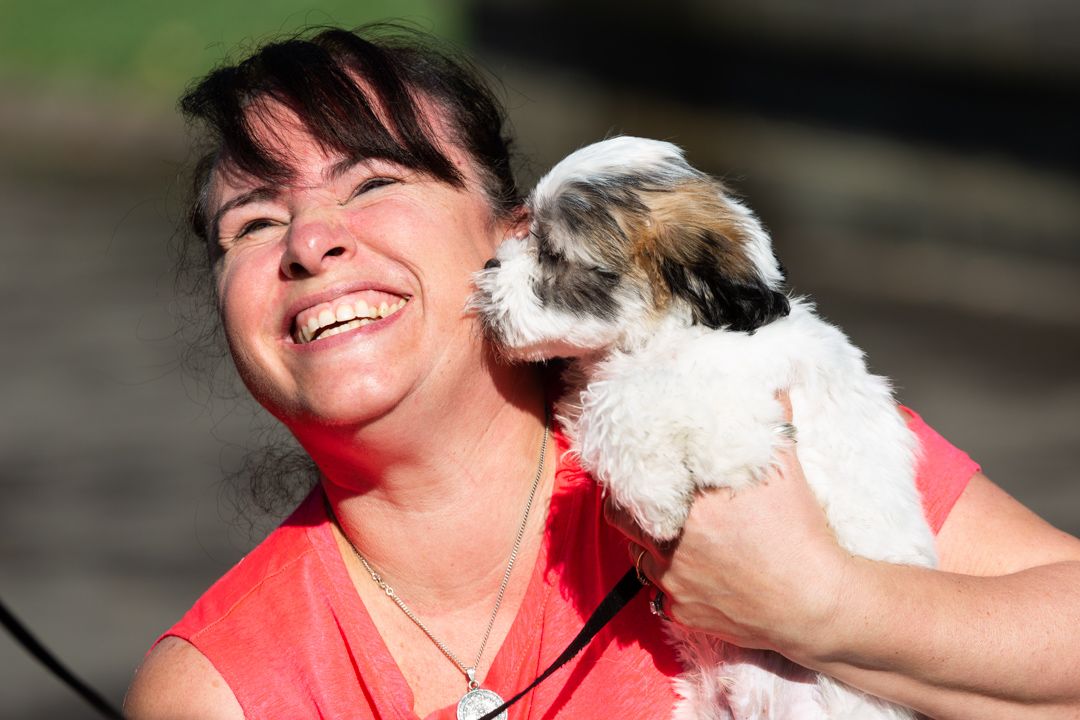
434	500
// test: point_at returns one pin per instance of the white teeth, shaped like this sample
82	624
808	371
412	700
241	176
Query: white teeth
347	326
352	316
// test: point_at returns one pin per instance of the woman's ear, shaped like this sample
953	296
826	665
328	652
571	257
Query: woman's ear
518	226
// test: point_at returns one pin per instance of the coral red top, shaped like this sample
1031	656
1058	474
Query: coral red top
288	632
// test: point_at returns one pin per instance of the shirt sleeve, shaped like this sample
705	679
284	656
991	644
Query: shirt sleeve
941	471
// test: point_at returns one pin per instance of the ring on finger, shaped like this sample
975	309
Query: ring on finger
787	430
657	606
637	567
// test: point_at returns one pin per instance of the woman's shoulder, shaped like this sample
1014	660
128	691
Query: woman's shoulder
196	666
253	580
175	681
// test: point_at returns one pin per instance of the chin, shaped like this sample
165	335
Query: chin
666	295
333	398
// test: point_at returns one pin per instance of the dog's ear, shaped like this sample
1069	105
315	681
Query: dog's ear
705	252
717	296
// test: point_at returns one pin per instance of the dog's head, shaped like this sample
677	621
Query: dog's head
622	234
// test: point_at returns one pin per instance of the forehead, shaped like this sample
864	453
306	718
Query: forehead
283	136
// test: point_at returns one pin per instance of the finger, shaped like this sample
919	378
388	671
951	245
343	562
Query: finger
784	397
785	428
618	518
650	568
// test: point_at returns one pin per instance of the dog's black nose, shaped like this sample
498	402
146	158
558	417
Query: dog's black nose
492	263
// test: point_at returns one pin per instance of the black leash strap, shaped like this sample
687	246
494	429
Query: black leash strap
608	608
87	693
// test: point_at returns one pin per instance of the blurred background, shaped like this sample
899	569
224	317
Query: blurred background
918	163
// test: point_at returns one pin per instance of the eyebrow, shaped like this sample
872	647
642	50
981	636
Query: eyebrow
266	192
343	166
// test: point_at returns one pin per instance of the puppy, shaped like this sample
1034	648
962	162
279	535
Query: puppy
666	294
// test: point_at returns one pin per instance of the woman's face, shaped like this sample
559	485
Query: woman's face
343	292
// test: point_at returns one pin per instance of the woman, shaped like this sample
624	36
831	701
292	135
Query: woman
354	189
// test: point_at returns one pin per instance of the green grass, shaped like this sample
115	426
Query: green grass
154	48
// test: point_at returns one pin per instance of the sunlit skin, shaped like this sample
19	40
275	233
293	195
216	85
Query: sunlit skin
375	227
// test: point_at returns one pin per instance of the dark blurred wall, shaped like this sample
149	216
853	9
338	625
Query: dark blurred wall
950	74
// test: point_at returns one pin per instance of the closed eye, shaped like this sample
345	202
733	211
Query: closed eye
248	232
370	184
254	226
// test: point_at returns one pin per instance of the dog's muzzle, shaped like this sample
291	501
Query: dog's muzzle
492	264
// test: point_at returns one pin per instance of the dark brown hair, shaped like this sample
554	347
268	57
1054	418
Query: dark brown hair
359	94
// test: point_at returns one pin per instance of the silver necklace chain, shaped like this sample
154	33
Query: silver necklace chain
470	672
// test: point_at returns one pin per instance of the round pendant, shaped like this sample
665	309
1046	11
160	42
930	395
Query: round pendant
477	703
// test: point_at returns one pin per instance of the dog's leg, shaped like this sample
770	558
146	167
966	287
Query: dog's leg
659	425
640	465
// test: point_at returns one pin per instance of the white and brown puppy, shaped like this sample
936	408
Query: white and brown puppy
667	295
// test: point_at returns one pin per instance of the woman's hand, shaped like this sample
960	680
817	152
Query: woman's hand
759	568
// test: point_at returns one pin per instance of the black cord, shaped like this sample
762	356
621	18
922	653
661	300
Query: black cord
608	608
23	637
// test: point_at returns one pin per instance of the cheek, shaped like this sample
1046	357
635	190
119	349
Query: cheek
246	324
244	300
444	241
231	296
230	308
236	321
476	241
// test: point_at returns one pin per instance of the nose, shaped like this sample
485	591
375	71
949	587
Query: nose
312	244
492	264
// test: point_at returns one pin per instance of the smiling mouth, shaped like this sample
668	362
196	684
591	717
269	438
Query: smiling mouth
326	320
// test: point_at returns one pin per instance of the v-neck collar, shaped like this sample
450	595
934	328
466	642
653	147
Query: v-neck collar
391	695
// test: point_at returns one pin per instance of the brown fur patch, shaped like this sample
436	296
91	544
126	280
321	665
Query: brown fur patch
687	223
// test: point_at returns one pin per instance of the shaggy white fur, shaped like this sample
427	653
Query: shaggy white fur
662	404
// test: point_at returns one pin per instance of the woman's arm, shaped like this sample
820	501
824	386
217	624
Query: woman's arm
994	633
177	682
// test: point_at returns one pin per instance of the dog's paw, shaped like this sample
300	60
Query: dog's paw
660	521
652	484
